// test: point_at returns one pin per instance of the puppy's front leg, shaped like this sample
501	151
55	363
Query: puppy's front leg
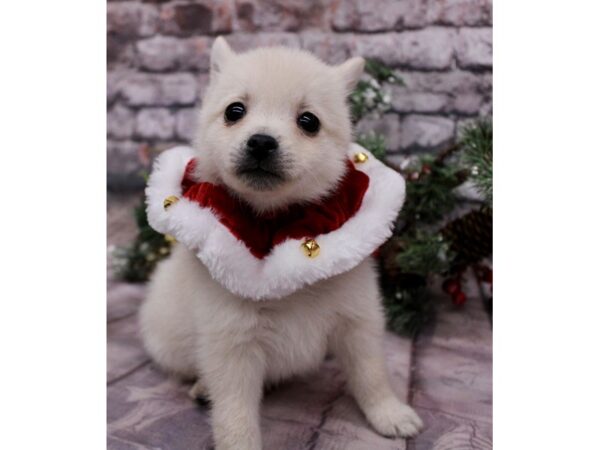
359	348
234	380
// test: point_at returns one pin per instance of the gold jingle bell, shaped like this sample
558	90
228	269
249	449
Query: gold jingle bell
169	201
361	157
311	248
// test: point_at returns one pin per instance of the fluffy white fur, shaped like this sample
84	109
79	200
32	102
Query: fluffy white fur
277	84
195	327
286	269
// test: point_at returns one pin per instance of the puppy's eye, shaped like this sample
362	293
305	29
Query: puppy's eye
309	122
235	112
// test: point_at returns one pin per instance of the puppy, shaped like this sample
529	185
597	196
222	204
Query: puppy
274	130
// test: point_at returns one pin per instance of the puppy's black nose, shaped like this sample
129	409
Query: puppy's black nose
262	146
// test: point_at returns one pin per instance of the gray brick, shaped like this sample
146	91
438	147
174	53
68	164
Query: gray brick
474	48
161	53
120	123
119	51
141	89
196	54
407	101
332	48
200	17
467	104
453	82
420	132
486	109
386	15
388	125
242	41
155	123
459	12
282	15
185	126
122	157
432	48
114	82
389	15
132	19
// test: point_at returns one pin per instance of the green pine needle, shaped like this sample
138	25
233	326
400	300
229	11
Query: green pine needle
477	142
407	310
381	72
424	254
432	196
374	142
371	94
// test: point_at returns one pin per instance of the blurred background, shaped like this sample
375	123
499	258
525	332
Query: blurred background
158	61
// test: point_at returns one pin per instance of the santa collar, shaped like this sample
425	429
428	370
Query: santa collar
272	256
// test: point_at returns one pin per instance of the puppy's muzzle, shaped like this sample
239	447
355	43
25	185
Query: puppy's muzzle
262	147
260	164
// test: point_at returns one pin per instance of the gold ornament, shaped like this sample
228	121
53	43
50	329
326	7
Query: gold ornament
311	248
169	201
170	239
361	157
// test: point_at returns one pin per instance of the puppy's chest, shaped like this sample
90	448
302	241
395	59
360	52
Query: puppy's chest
294	337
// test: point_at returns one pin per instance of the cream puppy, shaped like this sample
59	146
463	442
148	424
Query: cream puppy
274	129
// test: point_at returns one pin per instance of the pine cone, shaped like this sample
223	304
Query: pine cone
470	236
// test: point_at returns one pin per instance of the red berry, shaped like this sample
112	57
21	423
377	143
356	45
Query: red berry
426	169
451	286
459	298
413	176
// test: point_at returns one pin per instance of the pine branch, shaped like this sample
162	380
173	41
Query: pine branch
374	142
430	194
371	94
477	144
136	262
446	153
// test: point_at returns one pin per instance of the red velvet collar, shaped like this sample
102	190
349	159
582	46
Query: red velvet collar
261	233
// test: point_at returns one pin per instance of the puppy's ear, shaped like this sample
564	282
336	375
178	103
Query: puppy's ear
350	72
219	54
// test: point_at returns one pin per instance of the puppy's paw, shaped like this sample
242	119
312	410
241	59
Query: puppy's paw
392	418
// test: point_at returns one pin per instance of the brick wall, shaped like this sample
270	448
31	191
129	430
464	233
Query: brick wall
158	61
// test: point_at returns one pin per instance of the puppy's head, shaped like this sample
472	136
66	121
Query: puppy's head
274	124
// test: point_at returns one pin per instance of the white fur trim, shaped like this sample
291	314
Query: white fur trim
286	269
